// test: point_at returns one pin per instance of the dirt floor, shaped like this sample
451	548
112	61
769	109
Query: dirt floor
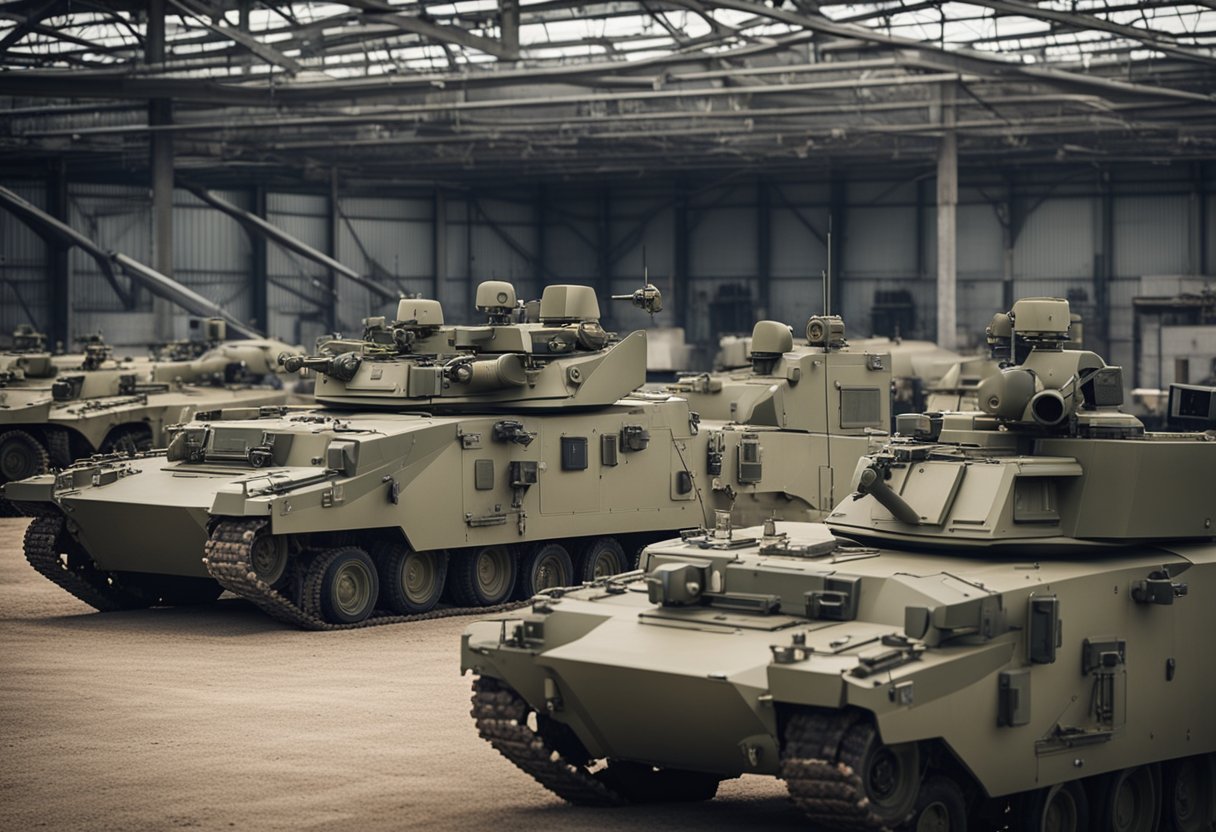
217	717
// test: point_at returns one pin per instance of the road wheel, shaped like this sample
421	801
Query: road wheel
1129	800
939	808
1063	807
483	577
1190	794
21	456
890	774
268	556
129	440
410	582
347	583
545	566
599	557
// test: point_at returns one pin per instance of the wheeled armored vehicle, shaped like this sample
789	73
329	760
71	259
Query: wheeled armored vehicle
483	461
54	411
1004	625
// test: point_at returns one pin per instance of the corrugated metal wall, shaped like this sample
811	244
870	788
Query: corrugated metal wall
1057	250
23	266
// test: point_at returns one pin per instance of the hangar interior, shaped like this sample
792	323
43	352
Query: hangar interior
718	146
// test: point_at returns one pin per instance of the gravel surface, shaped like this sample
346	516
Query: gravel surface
216	717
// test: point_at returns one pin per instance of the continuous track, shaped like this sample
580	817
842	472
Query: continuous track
47	542
502	719
819	748
229	560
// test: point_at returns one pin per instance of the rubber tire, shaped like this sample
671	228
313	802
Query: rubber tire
862	749
939	794
1103	798
1034	806
127	440
466	590
21	456
1197	778
551	555
598	549
333	562
393	561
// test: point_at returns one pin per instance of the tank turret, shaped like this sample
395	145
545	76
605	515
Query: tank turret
564	360
1050	463
1001	629
783	383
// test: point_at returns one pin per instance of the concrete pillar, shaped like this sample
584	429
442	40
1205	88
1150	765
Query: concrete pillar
947	229
160	112
333	233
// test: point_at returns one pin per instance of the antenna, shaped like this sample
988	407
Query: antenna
827	277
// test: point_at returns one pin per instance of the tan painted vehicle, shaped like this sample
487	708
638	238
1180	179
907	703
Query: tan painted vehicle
54	410
1004	625
926	377
488	460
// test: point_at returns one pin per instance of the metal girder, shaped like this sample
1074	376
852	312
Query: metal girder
1086	21
155	282
59	233
257	225
264	51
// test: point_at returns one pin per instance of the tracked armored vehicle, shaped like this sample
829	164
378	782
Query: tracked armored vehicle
486	461
54	410
1005	624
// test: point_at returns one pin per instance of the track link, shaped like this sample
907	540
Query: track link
47	539
229	561
502	719
820	782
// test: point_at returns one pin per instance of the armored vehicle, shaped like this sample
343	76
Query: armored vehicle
1004	624
487	461
53	411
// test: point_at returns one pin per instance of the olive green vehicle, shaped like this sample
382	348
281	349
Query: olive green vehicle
1004	625
488	460
925	377
55	409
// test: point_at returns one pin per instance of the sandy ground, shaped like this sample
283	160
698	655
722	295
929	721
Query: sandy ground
217	717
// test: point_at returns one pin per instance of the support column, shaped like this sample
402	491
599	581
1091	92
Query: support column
764	250
947	208
509	18
439	243
160	112
333	233
59	296
680	279
259	267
